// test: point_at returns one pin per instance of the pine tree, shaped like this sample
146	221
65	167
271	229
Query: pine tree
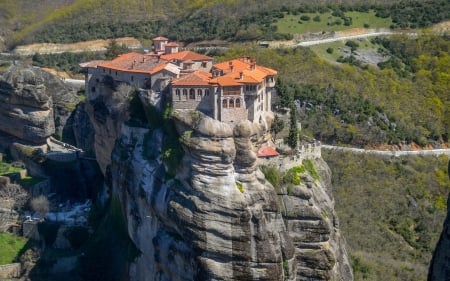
292	138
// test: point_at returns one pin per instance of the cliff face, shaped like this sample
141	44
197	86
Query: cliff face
34	104
219	219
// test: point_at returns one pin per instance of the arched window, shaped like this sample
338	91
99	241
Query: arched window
184	92
238	102
199	92
206	92
192	94
231	103
177	93
224	103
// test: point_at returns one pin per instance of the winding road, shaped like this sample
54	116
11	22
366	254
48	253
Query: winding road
395	153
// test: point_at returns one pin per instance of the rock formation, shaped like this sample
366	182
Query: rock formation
218	218
34	104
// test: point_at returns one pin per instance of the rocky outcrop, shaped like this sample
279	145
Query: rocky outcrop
34	104
440	264
218	218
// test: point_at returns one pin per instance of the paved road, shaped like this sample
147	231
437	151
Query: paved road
340	38
389	153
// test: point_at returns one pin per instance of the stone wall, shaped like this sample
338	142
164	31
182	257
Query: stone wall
309	151
11	270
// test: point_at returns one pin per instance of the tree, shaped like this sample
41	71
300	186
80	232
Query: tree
114	49
40	205
13	195
292	138
277	126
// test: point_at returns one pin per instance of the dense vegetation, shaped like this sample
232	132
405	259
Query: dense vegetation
362	106
61	21
390	210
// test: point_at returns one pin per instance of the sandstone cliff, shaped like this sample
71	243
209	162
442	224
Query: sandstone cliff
218	218
34	104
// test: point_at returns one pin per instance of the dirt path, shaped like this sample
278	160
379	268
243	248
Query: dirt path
93	46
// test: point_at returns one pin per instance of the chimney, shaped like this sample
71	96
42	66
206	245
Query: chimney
241	75
231	66
252	65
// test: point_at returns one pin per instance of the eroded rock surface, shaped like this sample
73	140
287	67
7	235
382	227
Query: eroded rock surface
34	104
219	219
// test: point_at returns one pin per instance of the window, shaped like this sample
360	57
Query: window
224	104
132	78
238	102
103	70
184	92
206	92
231	103
192	94
199	92
93	89
177	92
116	73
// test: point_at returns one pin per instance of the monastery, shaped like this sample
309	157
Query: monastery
229	91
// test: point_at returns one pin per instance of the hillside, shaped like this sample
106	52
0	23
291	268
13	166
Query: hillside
391	211
63	21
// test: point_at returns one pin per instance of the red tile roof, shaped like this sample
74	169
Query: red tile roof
251	74
267	152
186	55
135	62
196	78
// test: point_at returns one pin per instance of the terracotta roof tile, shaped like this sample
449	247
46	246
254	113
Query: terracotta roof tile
186	55
135	62
196	78
245	66
267	152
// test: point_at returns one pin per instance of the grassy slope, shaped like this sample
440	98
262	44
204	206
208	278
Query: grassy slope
391	212
10	246
293	24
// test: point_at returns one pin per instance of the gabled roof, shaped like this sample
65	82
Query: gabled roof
139	63
196	78
252	73
267	152
226	80
186	55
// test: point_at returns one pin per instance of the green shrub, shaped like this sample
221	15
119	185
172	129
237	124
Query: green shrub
305	18
240	187
292	176
310	168
272	175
